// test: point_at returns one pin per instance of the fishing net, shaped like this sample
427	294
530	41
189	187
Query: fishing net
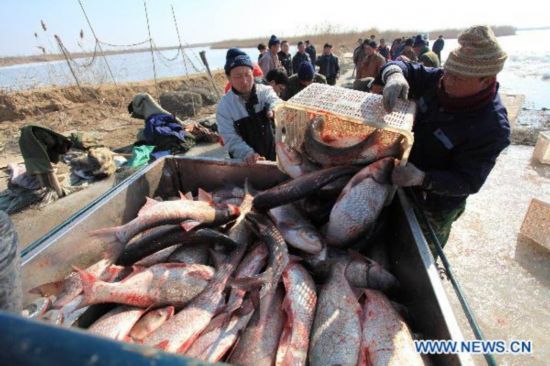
347	113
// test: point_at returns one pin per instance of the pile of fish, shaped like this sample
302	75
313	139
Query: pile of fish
249	278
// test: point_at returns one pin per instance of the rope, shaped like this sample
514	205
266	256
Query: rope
97	42
124	45
167	59
89	63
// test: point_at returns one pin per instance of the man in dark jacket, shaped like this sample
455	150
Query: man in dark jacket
328	65
460	129
438	47
299	57
285	57
312	52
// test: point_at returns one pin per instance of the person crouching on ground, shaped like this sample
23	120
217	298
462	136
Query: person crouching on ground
460	128
244	115
305	76
328	65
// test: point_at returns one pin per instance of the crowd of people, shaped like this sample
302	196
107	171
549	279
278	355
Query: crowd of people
460	128
369	56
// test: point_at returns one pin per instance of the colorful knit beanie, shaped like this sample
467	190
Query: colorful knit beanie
478	55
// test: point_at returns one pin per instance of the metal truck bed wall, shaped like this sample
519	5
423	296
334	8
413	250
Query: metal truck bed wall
51	258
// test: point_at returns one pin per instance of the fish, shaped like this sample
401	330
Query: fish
278	251
252	263
158	257
296	229
162	237
386	338
355	212
67	289
292	162
220	335
363	272
299	306
187	213
257	346
151	322
377	145
336	331
179	333
300	187
194	253
240	233
53	316
159	285
37	308
117	323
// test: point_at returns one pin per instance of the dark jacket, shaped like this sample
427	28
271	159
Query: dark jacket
438	45
286	61
384	51
457	150
328	66
310	50
294	86
298	59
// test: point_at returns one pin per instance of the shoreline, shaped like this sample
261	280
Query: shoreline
343	40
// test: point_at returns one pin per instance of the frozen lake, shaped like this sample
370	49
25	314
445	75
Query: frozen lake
527	70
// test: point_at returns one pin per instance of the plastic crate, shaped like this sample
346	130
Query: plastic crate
346	112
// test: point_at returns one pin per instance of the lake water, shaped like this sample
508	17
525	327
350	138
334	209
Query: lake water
527	70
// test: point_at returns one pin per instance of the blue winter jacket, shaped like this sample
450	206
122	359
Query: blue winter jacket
457	150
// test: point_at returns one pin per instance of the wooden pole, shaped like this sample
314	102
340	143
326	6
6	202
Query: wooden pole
205	62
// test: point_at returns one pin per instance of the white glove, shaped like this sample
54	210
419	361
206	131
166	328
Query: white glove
396	86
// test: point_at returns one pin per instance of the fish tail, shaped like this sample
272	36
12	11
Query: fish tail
88	280
48	289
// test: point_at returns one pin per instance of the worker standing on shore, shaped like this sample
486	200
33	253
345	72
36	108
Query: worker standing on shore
285	57
460	129
312	52
328	65
270	59
438	47
244	115
299	57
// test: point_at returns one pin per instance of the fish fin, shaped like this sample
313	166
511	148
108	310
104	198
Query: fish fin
218	322
189	225
48	289
183	197
88	280
171	310
110	236
149	202
162	345
217	258
112	272
204	196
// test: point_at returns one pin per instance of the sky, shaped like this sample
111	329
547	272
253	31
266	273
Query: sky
124	22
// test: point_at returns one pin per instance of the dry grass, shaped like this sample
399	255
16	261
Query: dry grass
345	41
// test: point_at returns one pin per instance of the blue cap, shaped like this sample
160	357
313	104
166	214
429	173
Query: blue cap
306	71
234	58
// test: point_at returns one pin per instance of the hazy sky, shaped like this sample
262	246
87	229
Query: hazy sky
123	21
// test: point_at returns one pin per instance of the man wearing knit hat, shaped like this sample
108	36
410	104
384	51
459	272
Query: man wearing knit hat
270	59
244	115
299	81
461	125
